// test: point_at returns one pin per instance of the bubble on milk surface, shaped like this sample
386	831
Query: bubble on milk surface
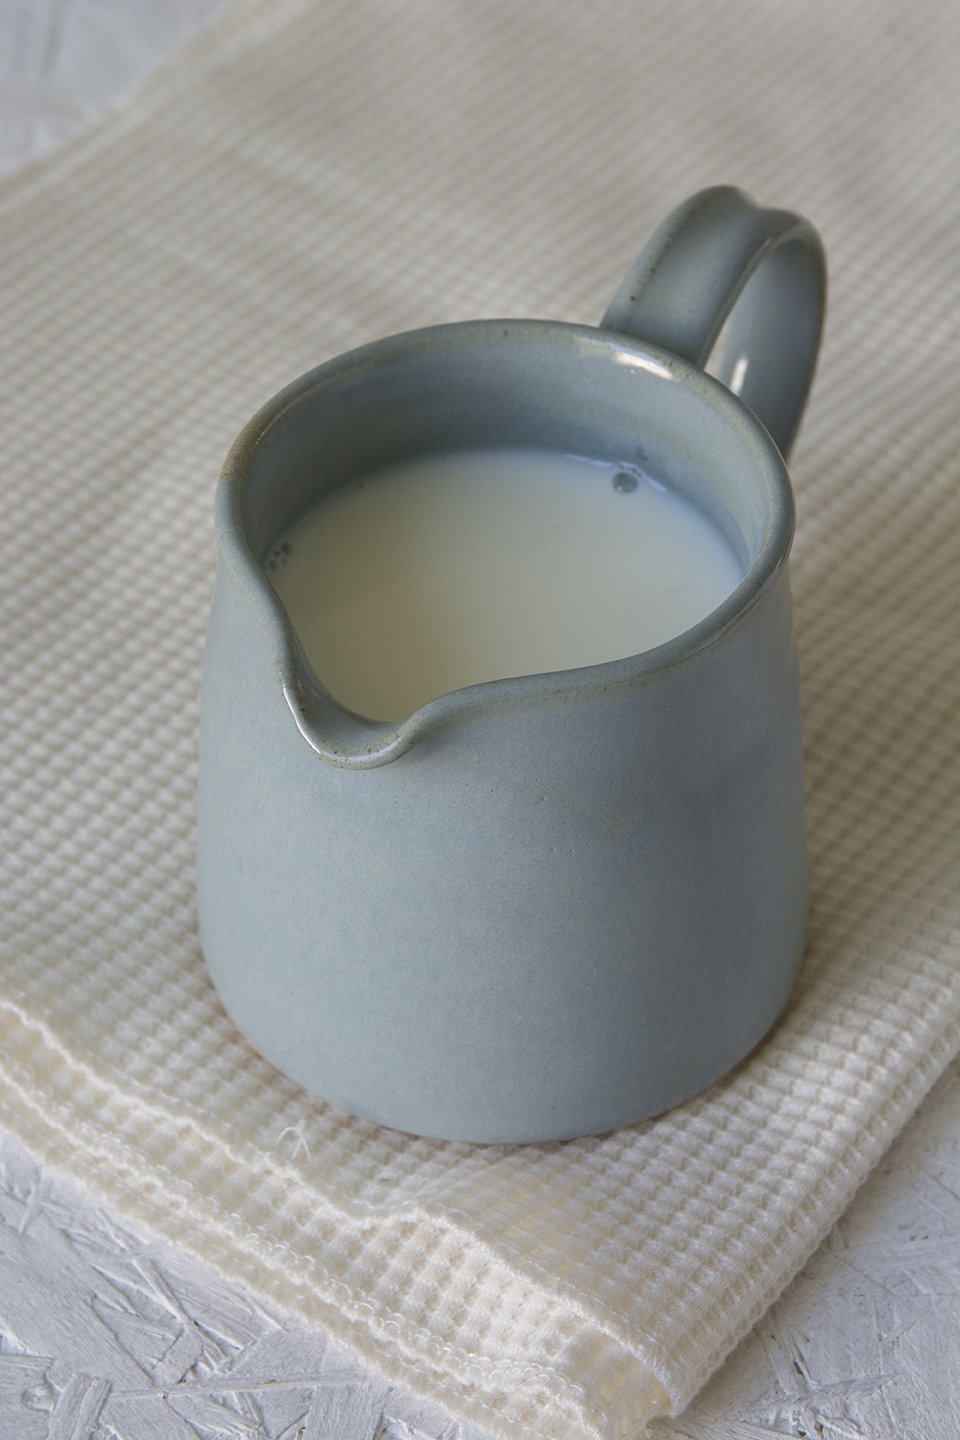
625	480
279	555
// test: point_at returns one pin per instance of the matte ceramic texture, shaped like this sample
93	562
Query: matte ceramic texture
546	906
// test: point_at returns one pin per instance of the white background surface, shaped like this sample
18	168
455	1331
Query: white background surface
103	1334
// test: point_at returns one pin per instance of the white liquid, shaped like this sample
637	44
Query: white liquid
425	577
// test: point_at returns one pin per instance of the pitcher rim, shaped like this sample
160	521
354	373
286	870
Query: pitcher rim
375	741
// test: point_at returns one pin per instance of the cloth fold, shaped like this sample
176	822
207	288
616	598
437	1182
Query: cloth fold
304	178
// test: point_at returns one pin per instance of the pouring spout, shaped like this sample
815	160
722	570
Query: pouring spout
337	735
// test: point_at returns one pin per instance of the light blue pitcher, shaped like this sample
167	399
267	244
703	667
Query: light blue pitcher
553	905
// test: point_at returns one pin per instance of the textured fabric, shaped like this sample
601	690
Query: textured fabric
305	178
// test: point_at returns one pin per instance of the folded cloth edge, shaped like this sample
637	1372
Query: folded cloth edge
98	1155
627	1387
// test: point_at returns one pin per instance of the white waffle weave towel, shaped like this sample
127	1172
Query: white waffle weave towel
306	177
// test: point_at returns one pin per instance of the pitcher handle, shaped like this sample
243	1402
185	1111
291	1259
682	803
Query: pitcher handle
717	258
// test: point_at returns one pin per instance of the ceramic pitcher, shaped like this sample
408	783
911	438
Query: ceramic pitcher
556	904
